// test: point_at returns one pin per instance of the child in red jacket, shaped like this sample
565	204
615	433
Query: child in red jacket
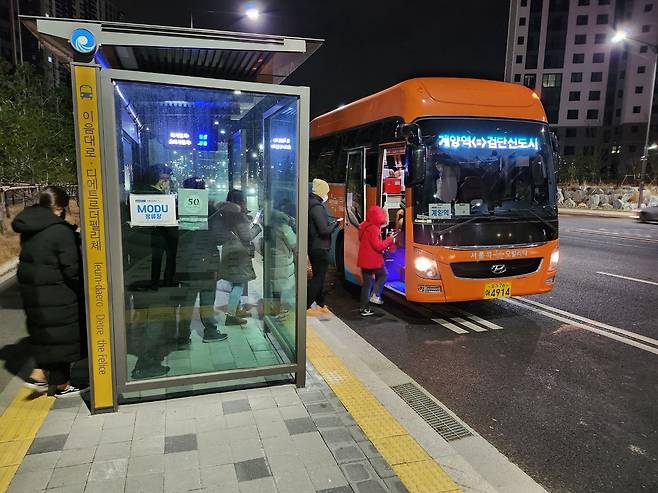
371	258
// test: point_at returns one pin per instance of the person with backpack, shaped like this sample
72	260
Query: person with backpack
371	258
236	264
50	281
320	229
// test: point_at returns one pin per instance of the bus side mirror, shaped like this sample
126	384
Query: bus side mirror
415	158
409	132
554	142
555	145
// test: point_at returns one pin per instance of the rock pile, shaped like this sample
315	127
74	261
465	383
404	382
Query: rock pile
623	199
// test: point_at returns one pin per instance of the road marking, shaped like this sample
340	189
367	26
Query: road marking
613	235
627	278
484	322
456	329
592	322
527	304
468	324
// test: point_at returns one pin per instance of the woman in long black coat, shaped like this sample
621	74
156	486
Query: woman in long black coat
49	275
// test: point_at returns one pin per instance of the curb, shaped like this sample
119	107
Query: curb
8	270
596	213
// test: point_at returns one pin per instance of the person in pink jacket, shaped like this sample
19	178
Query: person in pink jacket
371	258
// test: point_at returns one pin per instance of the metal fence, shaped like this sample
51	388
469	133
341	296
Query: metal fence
24	195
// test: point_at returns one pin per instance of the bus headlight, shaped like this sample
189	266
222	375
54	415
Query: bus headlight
555	258
425	265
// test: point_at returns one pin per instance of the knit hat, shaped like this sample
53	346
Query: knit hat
320	187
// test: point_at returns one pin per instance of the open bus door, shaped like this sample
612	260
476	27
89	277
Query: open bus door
354	210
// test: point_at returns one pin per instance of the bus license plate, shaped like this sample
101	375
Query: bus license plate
497	290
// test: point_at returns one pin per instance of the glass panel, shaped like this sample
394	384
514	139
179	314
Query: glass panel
208	228
355	197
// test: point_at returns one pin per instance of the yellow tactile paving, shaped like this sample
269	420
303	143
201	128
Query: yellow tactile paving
422	477
400	449
6	475
415	468
18	426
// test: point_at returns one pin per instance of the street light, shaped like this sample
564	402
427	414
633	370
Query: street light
620	36
250	11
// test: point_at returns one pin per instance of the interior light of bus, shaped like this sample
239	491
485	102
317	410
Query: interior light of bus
455	141
555	258
425	265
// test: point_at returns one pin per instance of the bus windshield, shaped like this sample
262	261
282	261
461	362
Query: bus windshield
479	170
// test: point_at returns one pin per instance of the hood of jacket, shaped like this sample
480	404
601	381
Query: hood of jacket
35	219
376	216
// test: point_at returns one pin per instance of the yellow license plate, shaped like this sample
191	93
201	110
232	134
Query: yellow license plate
497	290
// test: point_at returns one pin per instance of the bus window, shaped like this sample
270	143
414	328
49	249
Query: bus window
355	197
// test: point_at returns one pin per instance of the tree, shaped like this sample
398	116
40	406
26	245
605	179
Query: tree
37	143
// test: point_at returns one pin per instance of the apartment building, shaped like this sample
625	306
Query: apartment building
596	92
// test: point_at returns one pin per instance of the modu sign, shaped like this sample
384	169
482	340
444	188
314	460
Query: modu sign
152	210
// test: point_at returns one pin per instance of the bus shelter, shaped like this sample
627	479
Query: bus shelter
193	173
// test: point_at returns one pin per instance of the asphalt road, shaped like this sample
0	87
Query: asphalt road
572	401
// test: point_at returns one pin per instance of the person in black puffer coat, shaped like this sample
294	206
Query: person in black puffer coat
50	280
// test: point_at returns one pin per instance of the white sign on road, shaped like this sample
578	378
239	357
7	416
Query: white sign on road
152	210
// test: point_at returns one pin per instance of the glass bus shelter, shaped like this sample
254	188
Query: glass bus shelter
193	198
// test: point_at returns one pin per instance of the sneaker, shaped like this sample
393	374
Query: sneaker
366	312
71	390
242	313
231	320
36	385
150	371
214	336
376	300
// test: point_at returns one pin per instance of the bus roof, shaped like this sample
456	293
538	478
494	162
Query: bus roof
435	96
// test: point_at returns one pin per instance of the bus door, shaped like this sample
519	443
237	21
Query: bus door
392	192
354	211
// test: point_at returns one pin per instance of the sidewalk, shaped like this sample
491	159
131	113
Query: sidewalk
347	431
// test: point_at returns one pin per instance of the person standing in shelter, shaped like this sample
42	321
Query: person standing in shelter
164	240
236	264
50	280
320	229
371	258
198	264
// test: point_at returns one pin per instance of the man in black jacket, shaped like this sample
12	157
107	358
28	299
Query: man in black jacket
319	243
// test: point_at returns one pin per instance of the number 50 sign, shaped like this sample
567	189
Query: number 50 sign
193	208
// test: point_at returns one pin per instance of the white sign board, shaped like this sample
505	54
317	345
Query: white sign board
462	209
193	209
152	210
440	211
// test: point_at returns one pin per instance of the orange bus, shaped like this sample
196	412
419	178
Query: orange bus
466	170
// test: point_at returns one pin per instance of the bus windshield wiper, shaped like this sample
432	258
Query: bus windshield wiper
472	219
542	219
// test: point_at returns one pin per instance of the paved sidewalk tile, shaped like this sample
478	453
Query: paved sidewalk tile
146	483
180	443
110	451
249	470
275	439
76	456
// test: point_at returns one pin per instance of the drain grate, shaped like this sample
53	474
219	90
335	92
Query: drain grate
442	422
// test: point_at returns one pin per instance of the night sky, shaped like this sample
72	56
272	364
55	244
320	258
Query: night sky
369	45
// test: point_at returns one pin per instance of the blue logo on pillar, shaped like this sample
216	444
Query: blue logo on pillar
83	41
